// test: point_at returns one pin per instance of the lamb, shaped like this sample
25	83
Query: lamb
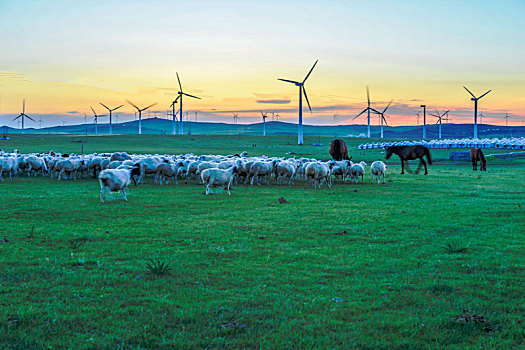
378	168
287	171
117	180
218	177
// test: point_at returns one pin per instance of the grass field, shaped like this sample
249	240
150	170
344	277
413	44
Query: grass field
362	266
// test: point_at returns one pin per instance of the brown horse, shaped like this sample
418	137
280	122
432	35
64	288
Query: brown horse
339	150
406	153
477	156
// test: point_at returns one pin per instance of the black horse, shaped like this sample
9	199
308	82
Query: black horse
476	155
406	153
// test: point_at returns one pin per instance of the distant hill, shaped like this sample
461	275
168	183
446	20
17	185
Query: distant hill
163	126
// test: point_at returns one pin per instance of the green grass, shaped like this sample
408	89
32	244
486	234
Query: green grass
333	268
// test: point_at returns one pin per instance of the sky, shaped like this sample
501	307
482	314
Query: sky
65	56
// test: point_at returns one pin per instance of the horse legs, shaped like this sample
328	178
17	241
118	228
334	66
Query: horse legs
425	164
402	166
474	164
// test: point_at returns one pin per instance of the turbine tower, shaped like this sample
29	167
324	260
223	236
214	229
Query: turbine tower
417	119
302	91
475	99
140	113
264	116
382	116
367	109
23	115
181	93
110	113
174	115
96	119
424	121
440	118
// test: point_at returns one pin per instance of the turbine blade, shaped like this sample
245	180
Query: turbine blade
375	111
178	79
150	106
445	113
306	97
28	117
368	94
384	119
357	116
289	81
191	95
93	110
432	114
131	103
469	92
17	117
114	109
389	103
24	106
310	72
484	94
106	107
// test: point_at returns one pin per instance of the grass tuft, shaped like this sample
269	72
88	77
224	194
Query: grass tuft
158	267
455	247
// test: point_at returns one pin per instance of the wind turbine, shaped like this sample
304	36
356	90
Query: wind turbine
475	99
235	118
96	119
440	118
40	123
367	109
506	117
181	93
140	113
264	116
110	111
481	116
382	116
277	117
301	91
23	115
417	119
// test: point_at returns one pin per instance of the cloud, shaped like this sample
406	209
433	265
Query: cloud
281	102
73	112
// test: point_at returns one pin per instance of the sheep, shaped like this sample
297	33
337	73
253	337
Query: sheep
357	170
35	164
69	165
218	177
261	168
287	171
341	168
117	180
9	165
378	168
318	172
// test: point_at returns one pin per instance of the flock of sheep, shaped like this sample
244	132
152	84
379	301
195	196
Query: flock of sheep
116	171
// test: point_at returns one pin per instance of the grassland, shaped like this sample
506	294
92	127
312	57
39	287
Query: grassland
358	266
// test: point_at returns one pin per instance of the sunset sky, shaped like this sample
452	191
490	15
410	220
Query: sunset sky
65	56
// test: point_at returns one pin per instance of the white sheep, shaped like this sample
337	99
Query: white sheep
357	170
214	177
117	180
318	172
378	168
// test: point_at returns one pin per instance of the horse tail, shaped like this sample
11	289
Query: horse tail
429	158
